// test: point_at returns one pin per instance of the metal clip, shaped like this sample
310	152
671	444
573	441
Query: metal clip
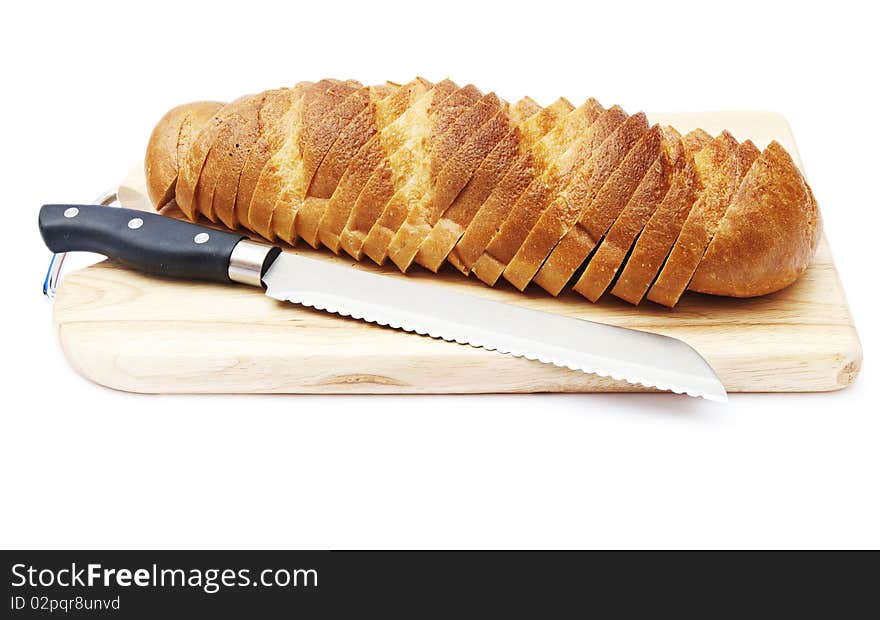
53	274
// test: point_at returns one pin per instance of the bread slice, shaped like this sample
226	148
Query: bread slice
768	234
409	191
169	144
614	248
330	174
597	195
475	134
451	226
562	152
233	145
213	167
275	105
281	131
558	217
408	144
720	179
335	123
498	207
190	167
562	213
369	156
316	137
661	230
496	185
295	164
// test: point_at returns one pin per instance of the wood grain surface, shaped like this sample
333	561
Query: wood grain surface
144	334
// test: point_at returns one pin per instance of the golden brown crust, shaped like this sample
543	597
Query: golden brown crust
768	235
402	146
558	217
212	168
430	173
561	154
501	179
364	163
661	230
408	169
355	133
613	198
233	145
323	182
720	176
495	211
341	155
568	206
613	249
694	141
451	226
190	166
320	129
278	127
603	195
274	106
475	133
291	182
161	159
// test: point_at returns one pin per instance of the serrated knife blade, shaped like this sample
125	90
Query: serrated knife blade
638	357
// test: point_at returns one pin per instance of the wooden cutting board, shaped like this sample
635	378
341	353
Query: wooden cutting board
144	334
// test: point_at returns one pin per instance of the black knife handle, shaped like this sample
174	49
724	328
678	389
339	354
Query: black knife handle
147	242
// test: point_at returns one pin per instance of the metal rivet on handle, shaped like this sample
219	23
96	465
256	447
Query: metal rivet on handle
71	212
135	223
201	238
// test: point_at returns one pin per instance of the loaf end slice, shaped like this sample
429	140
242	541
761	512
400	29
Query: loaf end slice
768	235
169	141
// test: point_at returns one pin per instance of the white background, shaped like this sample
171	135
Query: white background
84	466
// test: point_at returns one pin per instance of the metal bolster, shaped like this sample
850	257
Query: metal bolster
249	260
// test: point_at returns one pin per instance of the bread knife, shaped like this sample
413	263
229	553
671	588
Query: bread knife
163	246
